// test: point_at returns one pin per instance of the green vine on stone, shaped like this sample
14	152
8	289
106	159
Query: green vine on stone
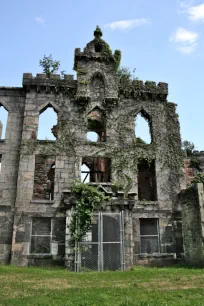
88	199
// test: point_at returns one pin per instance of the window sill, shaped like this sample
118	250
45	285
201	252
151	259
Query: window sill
50	202
40	256
145	202
100	183
156	255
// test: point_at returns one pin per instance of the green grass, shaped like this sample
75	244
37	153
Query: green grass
141	286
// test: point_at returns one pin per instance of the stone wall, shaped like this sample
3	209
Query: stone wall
118	103
192	201
13	100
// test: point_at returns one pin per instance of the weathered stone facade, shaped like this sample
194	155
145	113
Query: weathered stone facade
152	213
192	201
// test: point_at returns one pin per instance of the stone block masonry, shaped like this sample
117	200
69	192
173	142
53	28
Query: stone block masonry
143	180
192	201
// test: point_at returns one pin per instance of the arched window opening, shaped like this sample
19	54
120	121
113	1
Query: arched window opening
96	170
3	122
85	174
143	130
96	126
47	119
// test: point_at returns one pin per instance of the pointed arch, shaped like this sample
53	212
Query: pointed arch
47	104
100	75
47	120
5	105
143	127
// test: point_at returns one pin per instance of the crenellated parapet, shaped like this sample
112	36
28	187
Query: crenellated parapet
144	91
198	153
41	83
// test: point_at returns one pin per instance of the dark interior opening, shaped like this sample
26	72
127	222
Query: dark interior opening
99	169
149	236
44	178
147	181
98	47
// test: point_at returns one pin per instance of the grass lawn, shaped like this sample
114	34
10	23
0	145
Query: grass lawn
141	286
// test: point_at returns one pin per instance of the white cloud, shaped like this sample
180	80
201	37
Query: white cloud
184	36
195	12
184	40
187	49
126	24
184	5
40	20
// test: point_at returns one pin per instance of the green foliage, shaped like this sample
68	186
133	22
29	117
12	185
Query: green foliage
199	178
124	74
116	186
88	198
49	65
195	163
140	141
188	147
83	82
117	57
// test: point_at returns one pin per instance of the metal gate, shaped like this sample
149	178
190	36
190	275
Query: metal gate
103	246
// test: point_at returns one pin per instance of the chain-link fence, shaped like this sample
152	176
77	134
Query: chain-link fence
103	246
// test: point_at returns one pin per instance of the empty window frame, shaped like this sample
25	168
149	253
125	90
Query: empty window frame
149	236
143	128
44	178
41	236
98	169
47	123
3	121
147	189
96	126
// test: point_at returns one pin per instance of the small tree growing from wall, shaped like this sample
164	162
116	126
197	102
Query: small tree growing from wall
188	147
49	65
125	74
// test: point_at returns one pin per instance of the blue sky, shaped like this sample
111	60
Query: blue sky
162	39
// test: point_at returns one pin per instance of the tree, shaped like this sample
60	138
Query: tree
49	65
188	147
124	74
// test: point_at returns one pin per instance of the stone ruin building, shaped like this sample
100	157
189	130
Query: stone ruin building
36	202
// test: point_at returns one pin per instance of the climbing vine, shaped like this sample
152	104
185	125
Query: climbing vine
88	199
